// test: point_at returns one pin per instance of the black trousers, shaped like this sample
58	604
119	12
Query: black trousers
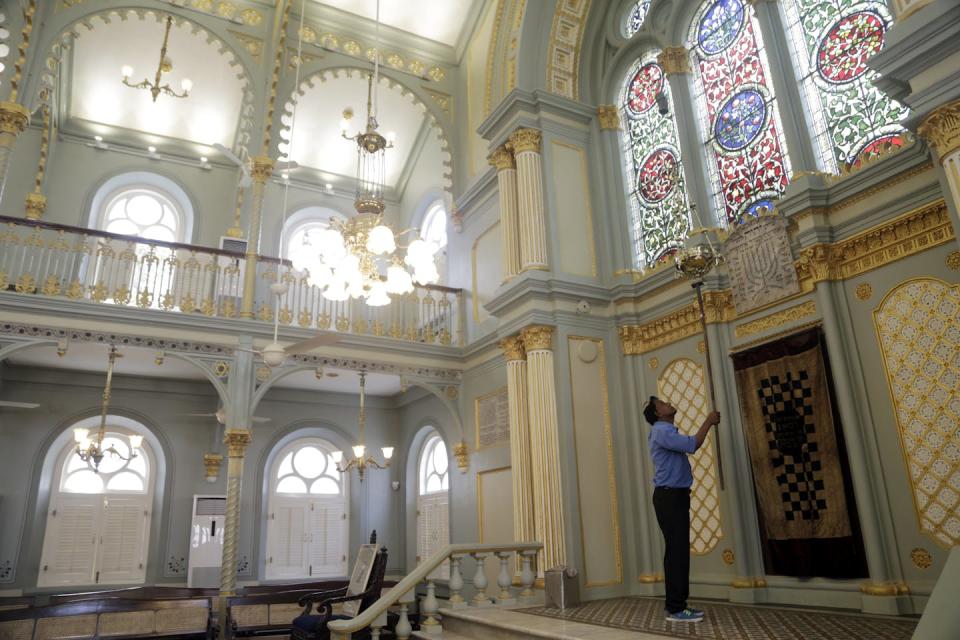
673	515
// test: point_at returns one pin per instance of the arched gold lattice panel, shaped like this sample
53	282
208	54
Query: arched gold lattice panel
919	332
681	384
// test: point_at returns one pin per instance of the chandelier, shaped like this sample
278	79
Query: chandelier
358	257
361	460
165	66
88	449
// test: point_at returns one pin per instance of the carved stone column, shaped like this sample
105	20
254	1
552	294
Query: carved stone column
942	131
236	441
544	445
502	159
675	62
533	230
524	529
13	120
261	171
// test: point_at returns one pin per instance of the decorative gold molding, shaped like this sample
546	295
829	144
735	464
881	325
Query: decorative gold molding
778	319
864	291
443	100
862	195
501	158
13	118
675	60
749	583
718	306
513	348
942	129
252	44
236	441
462	455
523	140
538	337
884	588
609	117
727	557
639	339
650	578
35	205
261	169
654	363
953	261
212	462
921	558
563	48
774	336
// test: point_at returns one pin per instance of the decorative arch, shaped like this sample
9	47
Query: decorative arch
916	326
58	43
434	117
563	47
149	181
682	383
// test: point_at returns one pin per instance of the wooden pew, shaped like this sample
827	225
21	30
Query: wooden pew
15	602
321	585
136	593
113	618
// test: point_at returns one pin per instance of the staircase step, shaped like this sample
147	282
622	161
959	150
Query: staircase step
501	623
445	635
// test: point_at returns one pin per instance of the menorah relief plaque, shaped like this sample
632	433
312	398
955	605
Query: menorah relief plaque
760	262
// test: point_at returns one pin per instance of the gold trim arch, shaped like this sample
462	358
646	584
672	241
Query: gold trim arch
919	335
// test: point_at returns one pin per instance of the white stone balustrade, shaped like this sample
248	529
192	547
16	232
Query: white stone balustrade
505	579
455	584
480	599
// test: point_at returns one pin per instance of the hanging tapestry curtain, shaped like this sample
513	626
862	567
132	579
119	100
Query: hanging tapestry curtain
808	521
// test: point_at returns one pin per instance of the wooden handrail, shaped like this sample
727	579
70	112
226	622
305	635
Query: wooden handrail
413	578
97	233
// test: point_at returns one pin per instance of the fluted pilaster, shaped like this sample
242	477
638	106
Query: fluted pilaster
13	120
261	171
544	445
236	441
533	231
502	159
524	529
941	129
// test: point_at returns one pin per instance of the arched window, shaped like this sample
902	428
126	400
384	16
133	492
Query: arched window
747	156
433	501
307	521
832	41
143	212
654	176
635	17
434	227
302	230
98	520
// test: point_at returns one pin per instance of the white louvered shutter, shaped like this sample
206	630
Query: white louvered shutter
433	530
327	538
123	534
69	545
287	534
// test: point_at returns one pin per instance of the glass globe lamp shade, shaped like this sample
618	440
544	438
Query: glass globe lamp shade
126	70
319	274
387	452
426	273
378	295
332	249
399	281
337	457
135	441
336	290
358	450
381	241
80	435
417	250
186	84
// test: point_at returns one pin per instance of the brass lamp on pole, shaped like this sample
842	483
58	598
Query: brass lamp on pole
694	261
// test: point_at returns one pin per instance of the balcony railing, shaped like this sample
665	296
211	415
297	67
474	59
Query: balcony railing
60	261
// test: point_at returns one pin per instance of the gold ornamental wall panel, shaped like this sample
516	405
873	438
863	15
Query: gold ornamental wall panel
918	327
682	384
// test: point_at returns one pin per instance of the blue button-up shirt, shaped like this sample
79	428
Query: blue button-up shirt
669	449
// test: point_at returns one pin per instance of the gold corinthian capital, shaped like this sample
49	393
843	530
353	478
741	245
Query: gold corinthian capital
942	129
13	118
513	348
675	60
608	117
525	140
501	159
236	441
261	169
538	337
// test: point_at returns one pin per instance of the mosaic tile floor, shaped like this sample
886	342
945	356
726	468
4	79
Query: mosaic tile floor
734	622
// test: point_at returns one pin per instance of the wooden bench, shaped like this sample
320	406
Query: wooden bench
320	585
15	602
136	593
113	618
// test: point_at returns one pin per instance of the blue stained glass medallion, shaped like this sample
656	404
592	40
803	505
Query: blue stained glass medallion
740	120
720	26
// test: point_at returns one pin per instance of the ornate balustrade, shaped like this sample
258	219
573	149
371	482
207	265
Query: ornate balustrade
403	592
53	260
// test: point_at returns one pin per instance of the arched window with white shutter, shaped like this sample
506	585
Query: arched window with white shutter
307	520
98	519
433	501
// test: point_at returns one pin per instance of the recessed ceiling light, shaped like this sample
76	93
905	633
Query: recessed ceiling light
203	159
329	186
98	138
152	149
285	176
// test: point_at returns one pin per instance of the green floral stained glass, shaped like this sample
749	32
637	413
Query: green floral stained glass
654	175
832	42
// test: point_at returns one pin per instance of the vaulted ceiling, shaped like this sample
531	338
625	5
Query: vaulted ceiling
442	21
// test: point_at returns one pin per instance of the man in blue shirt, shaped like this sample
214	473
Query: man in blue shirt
671	500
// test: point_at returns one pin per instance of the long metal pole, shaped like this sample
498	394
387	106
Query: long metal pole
698	285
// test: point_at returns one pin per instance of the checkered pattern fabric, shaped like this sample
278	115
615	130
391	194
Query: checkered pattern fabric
788	415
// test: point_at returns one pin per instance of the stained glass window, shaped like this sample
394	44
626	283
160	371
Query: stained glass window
748	161
832	41
638	13
654	175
